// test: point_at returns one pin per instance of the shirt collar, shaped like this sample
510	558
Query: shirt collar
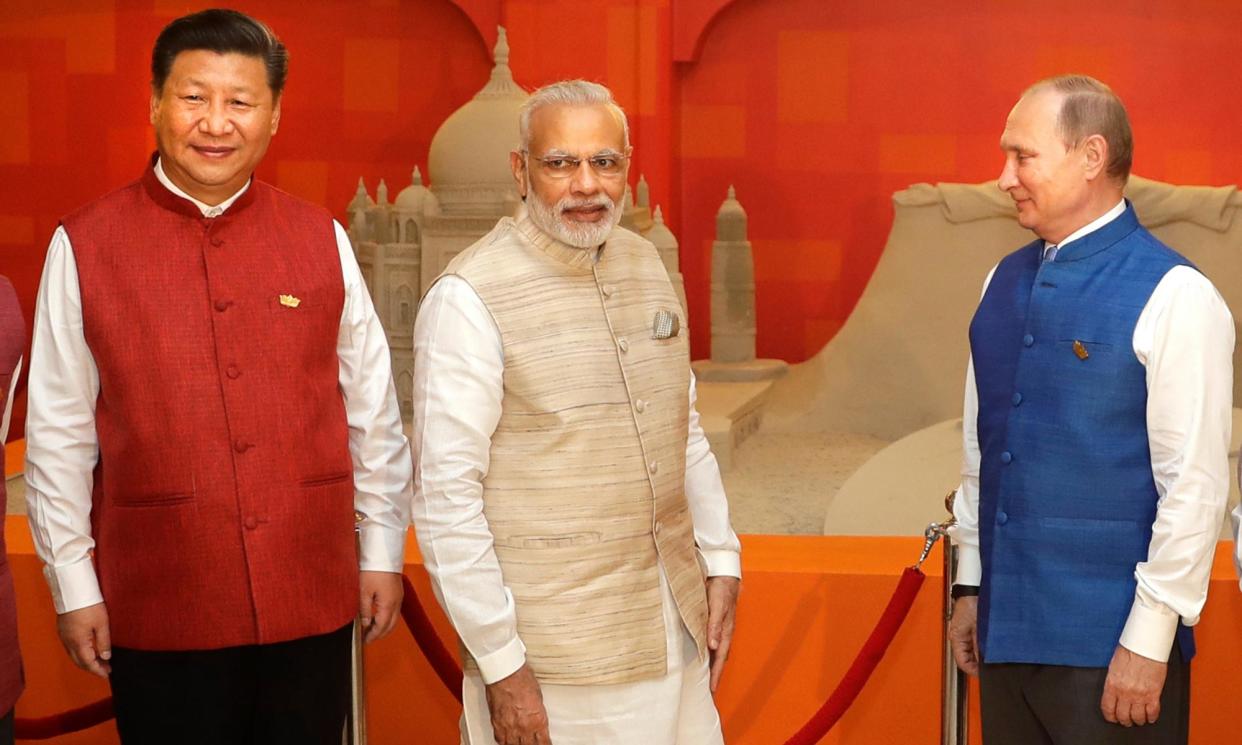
1092	226
208	210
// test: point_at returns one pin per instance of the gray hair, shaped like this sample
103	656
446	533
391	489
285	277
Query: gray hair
569	93
1088	107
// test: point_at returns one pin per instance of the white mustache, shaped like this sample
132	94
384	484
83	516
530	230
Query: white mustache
576	204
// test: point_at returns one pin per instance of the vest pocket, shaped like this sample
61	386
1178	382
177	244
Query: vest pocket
328	480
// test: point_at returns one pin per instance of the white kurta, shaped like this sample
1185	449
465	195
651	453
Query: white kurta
458	388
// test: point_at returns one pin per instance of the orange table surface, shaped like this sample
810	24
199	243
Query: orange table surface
807	605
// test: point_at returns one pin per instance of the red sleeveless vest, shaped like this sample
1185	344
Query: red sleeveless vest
223	498
12	347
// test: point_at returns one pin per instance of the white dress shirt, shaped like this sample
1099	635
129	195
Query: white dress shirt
1184	338
458	387
62	447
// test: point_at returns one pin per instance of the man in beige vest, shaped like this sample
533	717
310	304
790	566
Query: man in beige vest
568	507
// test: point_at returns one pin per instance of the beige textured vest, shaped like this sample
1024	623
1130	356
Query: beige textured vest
585	493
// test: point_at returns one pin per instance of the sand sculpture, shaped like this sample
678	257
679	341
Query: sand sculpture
733	304
896	369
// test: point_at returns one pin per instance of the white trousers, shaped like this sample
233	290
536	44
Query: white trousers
676	709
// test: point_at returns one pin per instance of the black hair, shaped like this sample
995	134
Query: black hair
220	30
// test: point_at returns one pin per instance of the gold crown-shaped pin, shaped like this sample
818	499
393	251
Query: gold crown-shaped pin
289	301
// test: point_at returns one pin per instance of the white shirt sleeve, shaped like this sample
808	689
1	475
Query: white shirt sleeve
62	447
965	531
458	388
383	481
1184	337
709	508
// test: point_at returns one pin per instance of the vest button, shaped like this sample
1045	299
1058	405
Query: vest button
1017	398
217	242
232	372
654	467
640	406
1001	518
658	527
223	305
251	523
623	345
1006	457
607	290
240	445
1028	340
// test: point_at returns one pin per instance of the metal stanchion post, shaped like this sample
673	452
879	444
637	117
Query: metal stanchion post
356	726
955	686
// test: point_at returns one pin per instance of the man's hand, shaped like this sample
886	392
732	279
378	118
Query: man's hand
516	706
84	632
721	605
379	603
964	634
1132	689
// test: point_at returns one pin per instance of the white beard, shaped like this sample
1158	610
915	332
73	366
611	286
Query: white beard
580	235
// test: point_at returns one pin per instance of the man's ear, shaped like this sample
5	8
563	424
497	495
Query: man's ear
517	163
1094	156
276	114
155	106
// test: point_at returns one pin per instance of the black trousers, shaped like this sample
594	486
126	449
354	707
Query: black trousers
1055	705
290	693
6	728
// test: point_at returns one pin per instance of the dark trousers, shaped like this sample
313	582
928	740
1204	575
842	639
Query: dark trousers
6	728
1055	705
290	693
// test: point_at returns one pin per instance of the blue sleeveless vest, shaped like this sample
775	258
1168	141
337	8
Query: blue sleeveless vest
1066	496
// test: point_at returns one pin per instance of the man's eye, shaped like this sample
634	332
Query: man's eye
239	102
604	163
192	98
556	164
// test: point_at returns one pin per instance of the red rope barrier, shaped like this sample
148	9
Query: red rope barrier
446	669
45	728
442	662
865	663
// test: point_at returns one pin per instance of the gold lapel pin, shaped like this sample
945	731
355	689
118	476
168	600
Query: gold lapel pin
1080	350
289	301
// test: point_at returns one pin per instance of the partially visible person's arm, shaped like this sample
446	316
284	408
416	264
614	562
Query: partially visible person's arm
383	480
721	550
62	449
1184	338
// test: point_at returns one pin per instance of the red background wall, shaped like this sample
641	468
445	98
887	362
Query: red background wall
816	109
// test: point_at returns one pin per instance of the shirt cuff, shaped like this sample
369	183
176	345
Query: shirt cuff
74	586
723	563
381	549
503	662
969	568
1150	629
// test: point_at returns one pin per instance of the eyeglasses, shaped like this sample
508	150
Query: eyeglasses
605	165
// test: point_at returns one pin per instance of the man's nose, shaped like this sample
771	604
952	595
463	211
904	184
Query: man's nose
216	120
1008	176
584	179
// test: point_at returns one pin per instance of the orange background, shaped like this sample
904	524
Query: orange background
807	605
817	110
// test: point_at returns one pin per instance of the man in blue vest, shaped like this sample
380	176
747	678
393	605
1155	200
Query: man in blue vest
1096	434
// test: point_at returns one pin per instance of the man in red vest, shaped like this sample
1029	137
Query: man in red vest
12	347
212	400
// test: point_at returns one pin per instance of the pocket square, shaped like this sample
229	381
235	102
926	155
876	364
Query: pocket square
666	325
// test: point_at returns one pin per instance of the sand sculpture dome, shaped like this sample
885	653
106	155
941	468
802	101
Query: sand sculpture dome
415	199
469	158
